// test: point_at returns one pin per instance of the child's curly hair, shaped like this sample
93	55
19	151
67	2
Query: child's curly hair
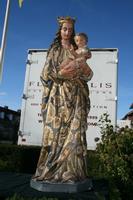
82	35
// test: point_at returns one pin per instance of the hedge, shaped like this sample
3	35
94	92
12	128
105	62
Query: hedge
16	158
23	159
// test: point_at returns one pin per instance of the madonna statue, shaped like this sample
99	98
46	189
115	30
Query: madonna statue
65	107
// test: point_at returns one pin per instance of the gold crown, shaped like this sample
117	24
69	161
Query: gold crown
62	20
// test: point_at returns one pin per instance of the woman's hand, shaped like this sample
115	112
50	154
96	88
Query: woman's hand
68	72
68	69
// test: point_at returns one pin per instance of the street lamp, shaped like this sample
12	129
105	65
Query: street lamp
3	42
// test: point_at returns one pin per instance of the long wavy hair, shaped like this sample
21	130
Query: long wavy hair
56	44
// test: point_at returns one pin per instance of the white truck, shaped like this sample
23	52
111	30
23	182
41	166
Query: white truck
103	95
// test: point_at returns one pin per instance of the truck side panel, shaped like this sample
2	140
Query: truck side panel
103	95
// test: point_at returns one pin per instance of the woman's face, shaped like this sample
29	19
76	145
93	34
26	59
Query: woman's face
66	30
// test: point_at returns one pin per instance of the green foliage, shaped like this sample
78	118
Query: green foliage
93	166
16	158
17	197
112	160
23	159
115	152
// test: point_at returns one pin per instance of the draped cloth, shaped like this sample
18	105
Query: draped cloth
65	107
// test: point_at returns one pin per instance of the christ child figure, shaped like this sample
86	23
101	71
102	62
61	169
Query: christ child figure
79	56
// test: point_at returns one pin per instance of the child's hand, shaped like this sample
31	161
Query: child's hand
87	55
71	48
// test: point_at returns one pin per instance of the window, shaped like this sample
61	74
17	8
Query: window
2	115
10	117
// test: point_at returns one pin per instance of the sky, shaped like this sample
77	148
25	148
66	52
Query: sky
108	23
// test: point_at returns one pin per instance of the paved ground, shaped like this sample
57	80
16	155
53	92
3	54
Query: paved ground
11	183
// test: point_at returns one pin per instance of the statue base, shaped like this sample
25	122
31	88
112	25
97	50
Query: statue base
43	186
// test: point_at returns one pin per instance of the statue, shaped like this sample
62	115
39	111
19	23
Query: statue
65	107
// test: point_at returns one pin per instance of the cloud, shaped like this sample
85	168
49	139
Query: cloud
3	93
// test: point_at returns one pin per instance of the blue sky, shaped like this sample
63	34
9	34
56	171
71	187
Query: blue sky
108	23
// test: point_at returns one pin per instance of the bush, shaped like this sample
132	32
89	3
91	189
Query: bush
25	159
115	152
112	160
94	169
18	158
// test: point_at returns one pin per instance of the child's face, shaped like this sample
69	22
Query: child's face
80	41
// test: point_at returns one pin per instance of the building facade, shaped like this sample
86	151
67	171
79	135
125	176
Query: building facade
129	115
9	125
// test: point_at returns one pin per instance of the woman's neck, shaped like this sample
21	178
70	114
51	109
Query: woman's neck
65	43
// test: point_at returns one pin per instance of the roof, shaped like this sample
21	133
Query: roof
7	110
128	114
131	107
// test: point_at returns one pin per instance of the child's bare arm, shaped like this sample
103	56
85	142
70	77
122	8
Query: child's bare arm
88	55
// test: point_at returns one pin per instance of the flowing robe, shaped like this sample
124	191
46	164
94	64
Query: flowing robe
65	107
